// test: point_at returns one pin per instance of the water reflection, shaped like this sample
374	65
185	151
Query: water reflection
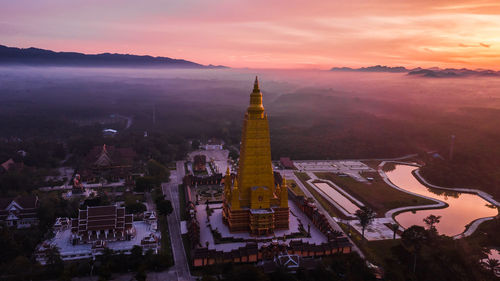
333	194
463	207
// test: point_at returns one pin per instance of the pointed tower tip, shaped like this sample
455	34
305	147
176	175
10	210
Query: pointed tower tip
256	85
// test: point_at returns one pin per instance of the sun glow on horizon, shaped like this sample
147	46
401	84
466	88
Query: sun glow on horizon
259	34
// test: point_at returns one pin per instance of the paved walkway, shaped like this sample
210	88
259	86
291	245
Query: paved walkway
290	175
332	200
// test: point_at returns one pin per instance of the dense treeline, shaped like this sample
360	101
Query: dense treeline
17	261
308	123
338	267
423	254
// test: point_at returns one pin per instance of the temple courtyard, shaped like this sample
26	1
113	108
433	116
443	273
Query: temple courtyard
210	224
68	251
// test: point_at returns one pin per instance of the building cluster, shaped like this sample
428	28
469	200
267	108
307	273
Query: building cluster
192	180
213	144
12	166
287	163
251	252
192	224
97	228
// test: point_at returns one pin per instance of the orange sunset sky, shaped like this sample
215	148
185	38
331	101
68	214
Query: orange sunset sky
265	34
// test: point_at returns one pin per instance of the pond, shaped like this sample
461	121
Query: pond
463	208
334	195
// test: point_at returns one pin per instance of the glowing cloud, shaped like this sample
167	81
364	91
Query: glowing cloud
267	34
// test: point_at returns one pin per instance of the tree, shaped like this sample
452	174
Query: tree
141	274
164	207
20	267
365	216
394	228
430	221
136	256
53	259
132	205
245	273
145	183
158	171
413	238
491	264
105	272
195	144
207	277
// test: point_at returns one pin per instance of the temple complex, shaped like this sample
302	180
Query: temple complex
253	201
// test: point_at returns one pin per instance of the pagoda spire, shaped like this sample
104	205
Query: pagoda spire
256	85
256	109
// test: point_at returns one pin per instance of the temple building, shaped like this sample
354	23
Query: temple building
253	201
19	212
108	162
108	223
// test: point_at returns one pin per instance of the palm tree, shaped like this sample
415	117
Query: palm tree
394	227
413	238
365	216
491	264
431	220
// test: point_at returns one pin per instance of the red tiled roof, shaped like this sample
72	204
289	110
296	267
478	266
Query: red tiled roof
101	211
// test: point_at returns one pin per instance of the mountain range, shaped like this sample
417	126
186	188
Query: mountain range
434	72
40	57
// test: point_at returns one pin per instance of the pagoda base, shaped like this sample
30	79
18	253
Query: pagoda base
257	222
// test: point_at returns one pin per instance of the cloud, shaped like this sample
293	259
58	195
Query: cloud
260	33
474	45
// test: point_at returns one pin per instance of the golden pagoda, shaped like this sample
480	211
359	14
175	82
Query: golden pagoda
253	202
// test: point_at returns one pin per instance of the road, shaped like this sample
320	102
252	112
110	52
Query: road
171	192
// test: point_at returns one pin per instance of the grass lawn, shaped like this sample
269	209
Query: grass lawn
372	163
375	251
486	235
166	246
376	194
302	176
182	203
132	196
332	211
295	188
378	251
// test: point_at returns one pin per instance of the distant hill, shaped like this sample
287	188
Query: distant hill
376	68
433	72
452	72
38	57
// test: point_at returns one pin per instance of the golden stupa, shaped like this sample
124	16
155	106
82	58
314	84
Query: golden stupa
253	202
